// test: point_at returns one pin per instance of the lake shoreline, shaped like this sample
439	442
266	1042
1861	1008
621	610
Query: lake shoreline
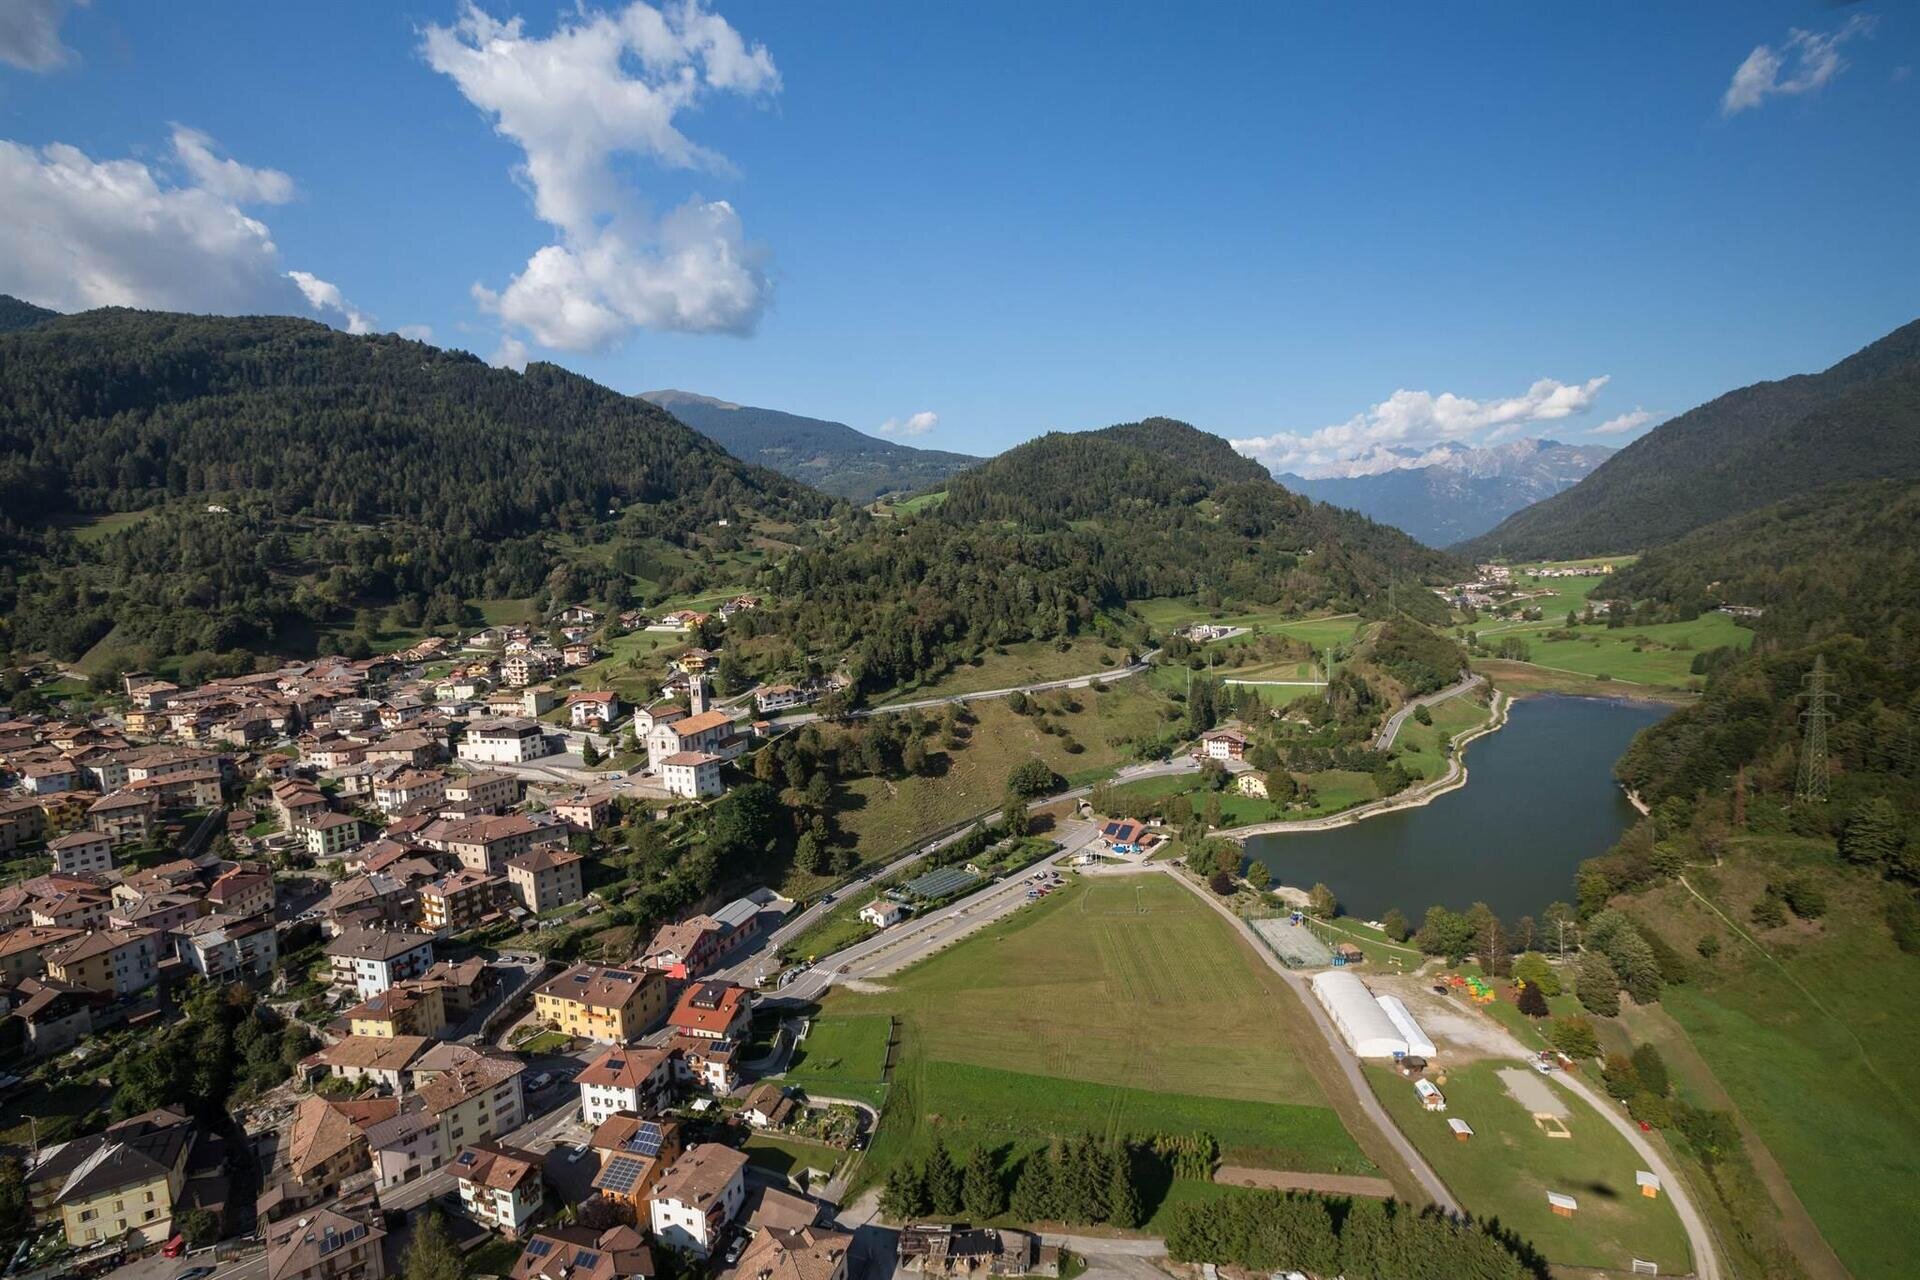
1543	799
1421	793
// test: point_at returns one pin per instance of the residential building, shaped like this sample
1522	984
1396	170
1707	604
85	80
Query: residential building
800	1253
411	791
330	835
327	1146
687	949
462	985
500	1186
587	810
386	1061
711	1011
624	1078
711	1064
509	741
593	710
327	1244
460	900
371	960
122	1185
405	1009
476	1097
116	962
1251	784
1223	744
884	913
546	878
581	1253
77	907
485	844
633	1152
88	851
698	1197
483	792
405	1146
691	775
54	1015
597	1003
244	890
767	1106
23	950
223	948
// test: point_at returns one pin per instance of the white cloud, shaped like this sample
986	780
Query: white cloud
228	179
417	332
1815	60
1626	422
30	33
511	354
85	233
601	86
1408	424
917	424
324	296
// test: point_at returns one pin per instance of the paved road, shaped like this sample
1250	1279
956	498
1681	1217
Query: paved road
759	957
1392	728
915	939
1070	682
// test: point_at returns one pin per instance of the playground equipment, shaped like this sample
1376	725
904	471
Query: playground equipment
1474	986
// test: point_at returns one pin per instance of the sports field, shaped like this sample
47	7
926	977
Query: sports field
1506	1169
1121	1006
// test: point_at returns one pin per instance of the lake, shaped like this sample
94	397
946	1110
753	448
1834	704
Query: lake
1540	797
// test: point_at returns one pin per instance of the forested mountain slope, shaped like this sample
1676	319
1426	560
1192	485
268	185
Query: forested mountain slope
830	456
352	470
16	314
1843	559
1858	420
1054	537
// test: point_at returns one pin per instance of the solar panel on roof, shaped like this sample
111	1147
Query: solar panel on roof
539	1248
620	975
466	1157
586	1259
616	1064
620	1176
646	1140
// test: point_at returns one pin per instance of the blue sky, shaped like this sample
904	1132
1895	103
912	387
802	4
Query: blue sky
978	223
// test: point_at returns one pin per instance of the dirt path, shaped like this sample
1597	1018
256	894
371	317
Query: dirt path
1333	1184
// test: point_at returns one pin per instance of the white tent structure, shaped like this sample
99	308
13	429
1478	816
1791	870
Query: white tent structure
1418	1044
1361	1021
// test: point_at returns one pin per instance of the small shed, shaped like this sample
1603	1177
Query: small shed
1562	1205
1430	1096
1461	1129
1648	1183
1347	953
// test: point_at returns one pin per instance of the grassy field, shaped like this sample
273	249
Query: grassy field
1030	662
1169	612
1420	747
887	815
789	1156
843	1057
1033	1027
1659	654
1518	679
634	664
1505	1170
1810	1030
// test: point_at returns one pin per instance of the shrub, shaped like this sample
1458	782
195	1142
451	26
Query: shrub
1574	1036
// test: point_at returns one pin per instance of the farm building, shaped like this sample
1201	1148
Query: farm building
1361	1021
1418	1044
1430	1096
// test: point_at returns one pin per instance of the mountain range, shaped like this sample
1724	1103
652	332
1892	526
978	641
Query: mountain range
830	456
1465	492
1858	420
